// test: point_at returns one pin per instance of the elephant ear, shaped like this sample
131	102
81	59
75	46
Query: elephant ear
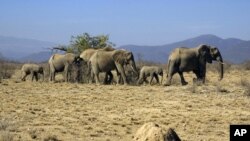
204	53
214	51
129	56
119	56
78	59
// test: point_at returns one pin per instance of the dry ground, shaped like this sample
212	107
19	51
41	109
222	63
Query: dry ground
83	112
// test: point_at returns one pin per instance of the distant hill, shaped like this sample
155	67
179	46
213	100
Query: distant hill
232	49
16	48
29	50
37	57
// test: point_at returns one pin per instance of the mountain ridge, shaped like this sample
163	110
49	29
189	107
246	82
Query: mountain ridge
232	49
228	47
14	48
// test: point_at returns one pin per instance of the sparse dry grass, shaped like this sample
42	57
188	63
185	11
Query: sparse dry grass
5	134
245	83
71	111
7	69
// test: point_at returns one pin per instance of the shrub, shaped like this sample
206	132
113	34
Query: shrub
7	69
246	85
246	65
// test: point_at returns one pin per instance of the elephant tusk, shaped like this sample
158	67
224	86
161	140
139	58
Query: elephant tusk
221	62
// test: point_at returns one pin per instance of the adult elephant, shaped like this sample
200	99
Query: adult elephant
152	72
60	63
192	59
105	61
86	55
32	69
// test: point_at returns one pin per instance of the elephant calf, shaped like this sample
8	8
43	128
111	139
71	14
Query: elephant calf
32	69
152	71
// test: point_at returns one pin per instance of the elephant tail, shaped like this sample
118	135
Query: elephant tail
169	61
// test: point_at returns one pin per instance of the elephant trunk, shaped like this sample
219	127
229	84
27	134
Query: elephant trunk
133	66
42	73
43	76
220	60
161	79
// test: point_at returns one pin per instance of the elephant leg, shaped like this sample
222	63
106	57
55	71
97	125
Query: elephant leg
139	81
91	78
24	76
204	76
156	78
198	77
66	73
119	81
110	77
121	70
151	79
32	76
141	78
52	75
36	76
202	72
145	78
97	80
43	76
183	82
171	72
96	72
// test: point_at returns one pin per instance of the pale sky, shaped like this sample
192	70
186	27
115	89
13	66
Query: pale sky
140	22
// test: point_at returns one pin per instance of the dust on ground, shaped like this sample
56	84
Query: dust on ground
79	112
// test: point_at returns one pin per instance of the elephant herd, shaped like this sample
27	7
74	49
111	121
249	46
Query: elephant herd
109	59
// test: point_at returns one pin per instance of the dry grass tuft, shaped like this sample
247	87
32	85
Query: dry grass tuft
246	65
246	85
51	138
7	69
3	125
193	88
6	136
221	89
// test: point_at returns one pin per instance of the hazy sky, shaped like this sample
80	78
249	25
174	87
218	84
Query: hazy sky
141	22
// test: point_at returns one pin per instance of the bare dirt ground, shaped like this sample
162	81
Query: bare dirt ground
83	112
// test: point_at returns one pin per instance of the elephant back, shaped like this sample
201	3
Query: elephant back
86	54
30	67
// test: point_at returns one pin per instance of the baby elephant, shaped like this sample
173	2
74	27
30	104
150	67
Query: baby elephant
32	69
152	71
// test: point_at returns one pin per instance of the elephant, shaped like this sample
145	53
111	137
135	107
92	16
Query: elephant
106	61
86	55
32	69
192	59
62	62
152	71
